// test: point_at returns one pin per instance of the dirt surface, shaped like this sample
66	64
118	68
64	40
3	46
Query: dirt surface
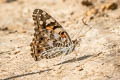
98	55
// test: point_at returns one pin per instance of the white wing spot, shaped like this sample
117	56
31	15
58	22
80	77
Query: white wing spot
47	21
41	22
44	13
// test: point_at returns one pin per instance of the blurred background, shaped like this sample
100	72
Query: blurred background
98	55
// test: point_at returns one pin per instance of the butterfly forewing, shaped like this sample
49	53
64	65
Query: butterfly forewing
50	39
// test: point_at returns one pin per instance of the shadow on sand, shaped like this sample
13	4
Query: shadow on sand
17	76
39	72
74	59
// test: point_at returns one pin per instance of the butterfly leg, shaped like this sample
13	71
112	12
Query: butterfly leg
61	59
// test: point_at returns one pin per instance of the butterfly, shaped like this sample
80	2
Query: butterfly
50	39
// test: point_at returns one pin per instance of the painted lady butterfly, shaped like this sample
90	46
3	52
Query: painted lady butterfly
50	39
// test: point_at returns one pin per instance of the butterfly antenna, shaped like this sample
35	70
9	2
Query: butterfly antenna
85	24
83	20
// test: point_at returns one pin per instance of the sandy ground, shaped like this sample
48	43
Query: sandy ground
98	55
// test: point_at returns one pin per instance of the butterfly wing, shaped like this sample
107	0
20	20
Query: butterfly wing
48	37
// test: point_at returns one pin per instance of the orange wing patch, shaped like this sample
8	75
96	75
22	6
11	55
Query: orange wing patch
50	28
